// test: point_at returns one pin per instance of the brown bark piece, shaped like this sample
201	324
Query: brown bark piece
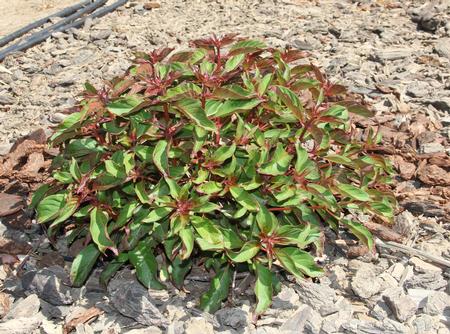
434	175
10	204
83	318
12	247
383	232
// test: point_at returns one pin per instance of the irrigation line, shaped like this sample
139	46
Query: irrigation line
63	13
45	33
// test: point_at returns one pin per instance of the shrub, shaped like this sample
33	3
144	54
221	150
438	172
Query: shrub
224	155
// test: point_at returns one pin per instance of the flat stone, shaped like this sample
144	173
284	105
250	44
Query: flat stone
436	303
305	319
20	325
100	34
423	267
48	284
385	55
198	325
333	323
357	326
6	98
431	148
403	306
425	323
27	307
132	300
428	281
359	284
286	299
233	317
419	296
442	47
315	295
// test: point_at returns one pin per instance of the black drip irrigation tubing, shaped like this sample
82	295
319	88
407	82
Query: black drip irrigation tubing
72	21
63	13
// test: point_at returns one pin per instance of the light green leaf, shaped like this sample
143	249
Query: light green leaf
50	207
244	198
210	187
124	105
193	110
234	62
157	214
246	46
266	220
160	157
360	231
263	288
187	238
247	252
279	163
223	153
99	232
353	192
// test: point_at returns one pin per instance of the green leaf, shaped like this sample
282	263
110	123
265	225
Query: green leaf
83	264
246	46
206	207
207	230
193	110
263	288
124	105
50	207
353	192
99	232
244	198
264	84
291	100
302	158
187	238
157	214
67	211
75	170
39	195
360	231
63	177
112	268
160	157
233	106
297	262
266	220
142	258
218	291
180	91
210	187
234	62
340	159
247	252
356	108
279	163
180	268
223	153
141	193
84	146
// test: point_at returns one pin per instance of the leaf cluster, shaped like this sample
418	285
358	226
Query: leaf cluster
226	156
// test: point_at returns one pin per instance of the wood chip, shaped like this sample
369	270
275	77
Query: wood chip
5	304
10	204
83	318
383	232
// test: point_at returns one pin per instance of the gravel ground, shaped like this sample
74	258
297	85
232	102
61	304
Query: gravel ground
395	53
